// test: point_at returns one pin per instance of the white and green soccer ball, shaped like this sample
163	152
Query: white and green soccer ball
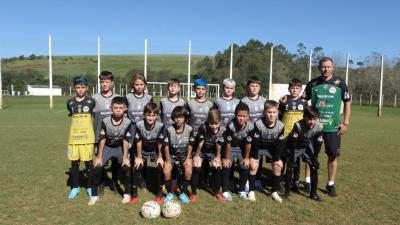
150	210
171	209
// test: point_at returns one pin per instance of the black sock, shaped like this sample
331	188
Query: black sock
259	170
226	175
243	177
168	185
127	179
185	185
217	173
159	181
96	174
296	172
75	174
136	181
314	180
195	179
289	176
252	182
276	180
89	168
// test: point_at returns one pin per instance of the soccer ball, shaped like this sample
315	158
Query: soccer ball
171	209
151	210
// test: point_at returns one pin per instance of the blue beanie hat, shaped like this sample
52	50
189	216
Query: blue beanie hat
200	82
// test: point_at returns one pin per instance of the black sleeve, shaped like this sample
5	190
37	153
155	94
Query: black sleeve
188	110
103	131
345	92
69	108
281	109
307	92
161	111
279	146
126	101
151	99
317	142
228	135
255	144
128	134
293	138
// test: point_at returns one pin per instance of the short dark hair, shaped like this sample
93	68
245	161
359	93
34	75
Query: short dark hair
254	80
242	107
295	82
311	112
179	111
151	107
80	80
324	59
118	100
173	81
106	75
271	103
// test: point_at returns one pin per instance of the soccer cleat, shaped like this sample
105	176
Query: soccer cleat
286	196
93	200
275	196
307	187
74	192
247	187
133	200
331	190
259	186
252	196
315	197
159	200
89	192
243	195
126	199
227	196
220	197
184	198
169	197
193	198
295	187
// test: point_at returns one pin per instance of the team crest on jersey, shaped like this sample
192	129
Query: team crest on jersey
337	82
346	95
256	135
282	137
295	135
301	107
229	138
248	139
86	108
332	90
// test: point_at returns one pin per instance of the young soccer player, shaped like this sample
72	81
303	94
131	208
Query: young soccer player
81	138
114	143
209	141
101	111
167	104
199	106
137	99
305	140
256	105
227	103
268	141
178	142
237	145
148	139
290	111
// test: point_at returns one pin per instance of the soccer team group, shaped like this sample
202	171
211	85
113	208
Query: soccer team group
200	142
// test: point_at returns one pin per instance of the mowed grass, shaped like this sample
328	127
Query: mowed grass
34	183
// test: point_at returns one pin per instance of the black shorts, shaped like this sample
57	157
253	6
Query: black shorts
332	143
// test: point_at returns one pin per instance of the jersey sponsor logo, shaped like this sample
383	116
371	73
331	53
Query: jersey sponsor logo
332	90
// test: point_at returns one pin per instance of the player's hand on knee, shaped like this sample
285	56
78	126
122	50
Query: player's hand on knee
160	161
97	162
197	161
245	162
226	163
216	162
126	162
187	163
254	163
138	162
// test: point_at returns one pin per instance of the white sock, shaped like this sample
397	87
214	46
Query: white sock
331	182
308	179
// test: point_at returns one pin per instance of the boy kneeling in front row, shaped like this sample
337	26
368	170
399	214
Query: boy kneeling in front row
113	143
305	140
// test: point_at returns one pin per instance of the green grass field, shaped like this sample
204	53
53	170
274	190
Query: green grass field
34	191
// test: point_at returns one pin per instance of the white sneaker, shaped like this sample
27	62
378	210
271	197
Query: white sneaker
243	195
252	196
275	196
126	198
93	200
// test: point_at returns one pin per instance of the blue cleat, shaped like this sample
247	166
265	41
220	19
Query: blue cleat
169	197
74	192
184	198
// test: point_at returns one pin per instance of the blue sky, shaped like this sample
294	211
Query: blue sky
360	27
